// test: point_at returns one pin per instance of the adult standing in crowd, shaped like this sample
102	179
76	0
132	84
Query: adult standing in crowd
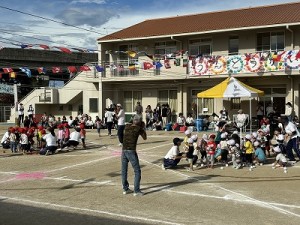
109	119
21	113
30	112
138	109
121	123
164	114
131	134
149	116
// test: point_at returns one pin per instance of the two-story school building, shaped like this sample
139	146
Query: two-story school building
170	60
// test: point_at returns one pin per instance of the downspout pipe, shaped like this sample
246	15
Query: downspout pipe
292	37
291	78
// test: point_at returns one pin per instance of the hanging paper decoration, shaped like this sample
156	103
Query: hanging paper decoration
66	50
85	68
80	49
72	69
235	64
253	63
99	68
12	75
291	61
26	46
56	70
157	64
41	70
201	66
271	65
7	70
26	70
219	65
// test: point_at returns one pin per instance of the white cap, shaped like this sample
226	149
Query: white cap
256	143
194	137
276	149
254	134
231	142
119	105
204	136
235	132
248	136
190	141
187	132
280	137
223	135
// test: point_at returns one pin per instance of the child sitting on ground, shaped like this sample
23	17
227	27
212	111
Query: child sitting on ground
259	154
281	160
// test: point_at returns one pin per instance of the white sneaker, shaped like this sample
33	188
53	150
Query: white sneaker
195	166
226	164
120	144
163	167
47	152
202	165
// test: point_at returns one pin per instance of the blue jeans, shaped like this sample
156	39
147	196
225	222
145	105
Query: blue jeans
121	133
132	157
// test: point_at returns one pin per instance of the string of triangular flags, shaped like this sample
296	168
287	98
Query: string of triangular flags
43	70
48	47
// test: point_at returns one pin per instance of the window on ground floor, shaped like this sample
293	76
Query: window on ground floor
130	100
93	105
170	97
201	105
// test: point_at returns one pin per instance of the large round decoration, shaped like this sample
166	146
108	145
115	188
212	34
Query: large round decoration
235	64
254	63
201	66
219	66
290	61
272	65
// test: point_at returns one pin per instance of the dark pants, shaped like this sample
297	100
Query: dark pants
292	144
121	133
109	127
21	118
171	163
132	157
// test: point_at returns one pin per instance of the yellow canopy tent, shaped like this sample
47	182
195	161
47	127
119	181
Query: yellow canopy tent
231	88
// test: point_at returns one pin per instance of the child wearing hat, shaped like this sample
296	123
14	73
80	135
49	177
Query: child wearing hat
280	160
189	154
173	156
249	151
188	134
211	148
233	149
202	144
259	154
13	140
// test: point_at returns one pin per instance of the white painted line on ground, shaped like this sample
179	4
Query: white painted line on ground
56	206
79	181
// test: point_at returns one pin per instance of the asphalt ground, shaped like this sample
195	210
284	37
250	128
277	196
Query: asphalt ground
83	186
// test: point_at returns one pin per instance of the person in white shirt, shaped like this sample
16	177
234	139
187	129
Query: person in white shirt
74	140
5	140
173	156
241	119
190	120
21	113
51	142
30	113
121	123
292	137
109	119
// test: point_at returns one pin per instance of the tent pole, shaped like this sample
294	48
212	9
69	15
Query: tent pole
197	107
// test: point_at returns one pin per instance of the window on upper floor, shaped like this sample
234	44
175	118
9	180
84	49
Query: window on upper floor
200	47
270	41
233	45
165	49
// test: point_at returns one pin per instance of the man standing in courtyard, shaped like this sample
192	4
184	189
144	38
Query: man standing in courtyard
131	134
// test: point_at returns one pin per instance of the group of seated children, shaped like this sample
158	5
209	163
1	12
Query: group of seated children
19	139
208	151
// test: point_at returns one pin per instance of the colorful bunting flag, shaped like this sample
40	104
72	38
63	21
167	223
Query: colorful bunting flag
147	65
12	75
72	69
26	70
42	70
26	46
56	70
167	63
132	54
80	49
63	49
7	70
99	68
46	47
157	64
85	68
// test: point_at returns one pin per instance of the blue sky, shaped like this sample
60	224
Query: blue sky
101	17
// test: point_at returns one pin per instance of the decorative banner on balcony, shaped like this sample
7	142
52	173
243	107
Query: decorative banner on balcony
6	89
248	63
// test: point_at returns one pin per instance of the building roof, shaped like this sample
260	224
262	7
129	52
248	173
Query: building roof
246	18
